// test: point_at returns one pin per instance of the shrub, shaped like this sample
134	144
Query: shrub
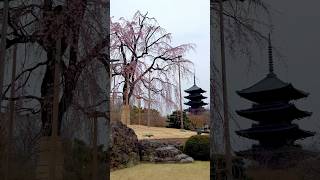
198	147
175	122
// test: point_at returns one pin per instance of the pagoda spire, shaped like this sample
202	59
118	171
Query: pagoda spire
194	76
270	56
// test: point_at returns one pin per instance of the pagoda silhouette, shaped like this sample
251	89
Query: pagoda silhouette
195	98
273	111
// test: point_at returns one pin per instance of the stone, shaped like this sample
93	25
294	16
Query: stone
148	148
170	154
162	152
187	160
179	157
124	146
168	151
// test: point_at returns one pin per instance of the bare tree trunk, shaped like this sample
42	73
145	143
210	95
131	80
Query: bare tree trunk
139	112
109	76
180	97
114	84
73	70
127	108
3	47
213	175
95	123
12	115
125	114
95	150
225	97
55	113
2	66
149	100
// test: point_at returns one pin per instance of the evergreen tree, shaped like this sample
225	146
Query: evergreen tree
173	120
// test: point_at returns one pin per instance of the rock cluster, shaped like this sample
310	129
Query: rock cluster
124	146
153	151
127	151
171	154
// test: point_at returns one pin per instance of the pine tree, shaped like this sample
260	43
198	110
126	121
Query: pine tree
173	120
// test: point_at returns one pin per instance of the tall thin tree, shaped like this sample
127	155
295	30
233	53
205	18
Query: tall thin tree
10	122
228	155
180	95
3	47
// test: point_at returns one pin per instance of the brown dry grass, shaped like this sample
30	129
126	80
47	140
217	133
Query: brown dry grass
160	132
199	170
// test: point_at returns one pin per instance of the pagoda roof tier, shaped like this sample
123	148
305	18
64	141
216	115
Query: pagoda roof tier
195	103
274	111
284	131
195	96
271	88
195	110
194	89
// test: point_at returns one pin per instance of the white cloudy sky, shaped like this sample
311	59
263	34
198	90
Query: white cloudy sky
187	20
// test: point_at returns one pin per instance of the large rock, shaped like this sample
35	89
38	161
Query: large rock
148	148
167	151
124	146
153	151
170	154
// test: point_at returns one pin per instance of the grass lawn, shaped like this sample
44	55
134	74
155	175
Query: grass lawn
160	132
198	170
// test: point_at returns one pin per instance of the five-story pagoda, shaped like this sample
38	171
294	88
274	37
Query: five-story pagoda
273	111
195	98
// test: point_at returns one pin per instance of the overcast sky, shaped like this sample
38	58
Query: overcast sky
187	20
